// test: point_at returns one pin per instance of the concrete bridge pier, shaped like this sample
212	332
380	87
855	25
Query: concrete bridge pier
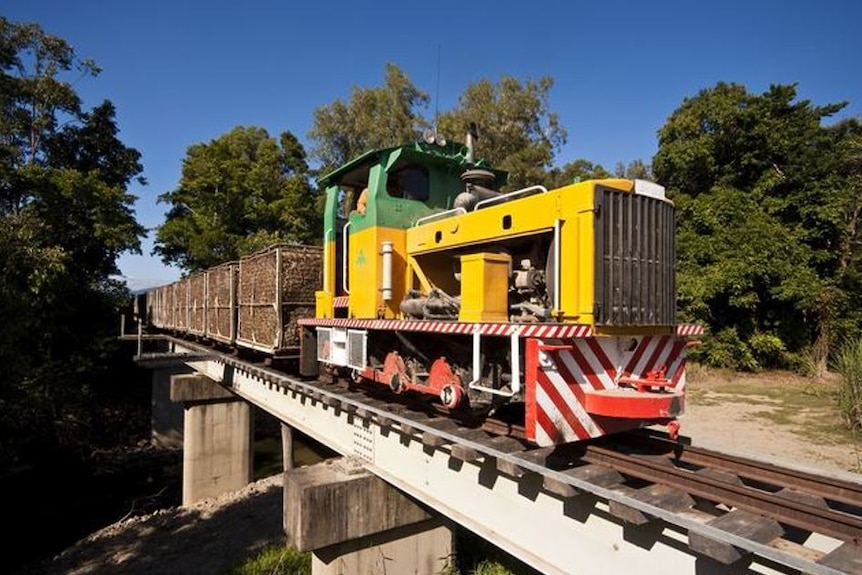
357	524
166	417
218	437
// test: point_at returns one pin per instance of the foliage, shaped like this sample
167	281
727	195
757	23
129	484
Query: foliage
760	351
739	267
849	365
517	130
485	559
725	349
476	556
575	171
768	350
372	118
275	560
65	217
581	169
634	170
491	568
768	202
238	194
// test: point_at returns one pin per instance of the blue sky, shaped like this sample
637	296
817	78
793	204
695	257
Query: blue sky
184	72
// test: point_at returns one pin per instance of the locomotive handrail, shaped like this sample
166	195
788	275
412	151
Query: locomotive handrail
557	231
326	234
509	195
344	259
439	215
515	383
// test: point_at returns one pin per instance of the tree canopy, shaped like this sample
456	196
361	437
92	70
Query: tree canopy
238	194
769	199
65	216
518	131
372	118
575	171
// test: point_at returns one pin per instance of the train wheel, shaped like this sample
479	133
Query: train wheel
451	395
395	372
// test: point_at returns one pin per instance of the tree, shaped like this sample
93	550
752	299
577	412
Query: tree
238	194
576	171
34	100
743	167
372	118
634	170
517	130
65	217
832	222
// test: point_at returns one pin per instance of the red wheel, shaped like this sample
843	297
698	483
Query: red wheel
395	384
451	396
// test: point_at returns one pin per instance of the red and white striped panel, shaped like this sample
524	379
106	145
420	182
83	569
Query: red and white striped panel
689	329
656	353
566	330
560	371
559	331
341	301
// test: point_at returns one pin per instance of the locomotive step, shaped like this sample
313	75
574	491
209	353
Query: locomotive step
632	404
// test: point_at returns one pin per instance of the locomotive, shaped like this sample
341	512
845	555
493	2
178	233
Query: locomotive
558	304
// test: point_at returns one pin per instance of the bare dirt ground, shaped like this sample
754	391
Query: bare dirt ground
777	416
780	417
207	538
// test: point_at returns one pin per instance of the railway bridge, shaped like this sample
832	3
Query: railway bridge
635	504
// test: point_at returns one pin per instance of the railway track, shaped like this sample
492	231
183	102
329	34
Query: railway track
808	502
730	507
769	505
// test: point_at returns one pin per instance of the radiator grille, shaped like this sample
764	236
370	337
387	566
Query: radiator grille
635	255
356	348
324	349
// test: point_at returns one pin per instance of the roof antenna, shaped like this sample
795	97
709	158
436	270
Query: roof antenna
431	135
437	95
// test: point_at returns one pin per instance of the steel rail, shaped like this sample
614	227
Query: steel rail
784	510
825	486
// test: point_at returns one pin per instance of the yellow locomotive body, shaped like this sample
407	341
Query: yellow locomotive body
558	304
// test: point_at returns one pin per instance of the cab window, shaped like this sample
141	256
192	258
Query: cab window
410	183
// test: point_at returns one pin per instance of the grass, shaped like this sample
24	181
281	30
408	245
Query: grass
280	560
474	556
275	560
491	568
849	365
